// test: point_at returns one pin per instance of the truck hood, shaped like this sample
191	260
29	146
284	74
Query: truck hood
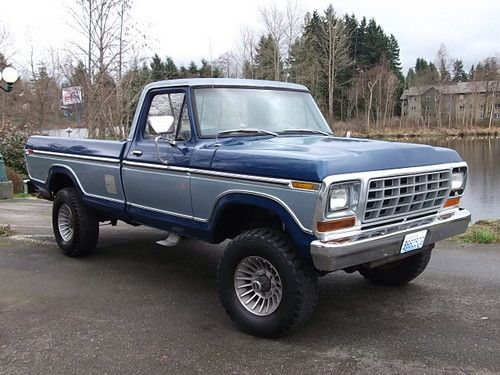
312	158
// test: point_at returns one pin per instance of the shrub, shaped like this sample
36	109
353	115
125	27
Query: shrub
12	147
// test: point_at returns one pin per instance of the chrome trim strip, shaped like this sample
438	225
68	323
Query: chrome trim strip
154	166
35	179
206	172
279	181
184	216
391	172
271	180
72	156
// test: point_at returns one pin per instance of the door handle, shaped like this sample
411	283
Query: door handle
137	152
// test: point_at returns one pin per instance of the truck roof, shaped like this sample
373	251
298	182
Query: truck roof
197	82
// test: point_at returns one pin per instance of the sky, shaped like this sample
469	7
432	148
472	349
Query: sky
191	29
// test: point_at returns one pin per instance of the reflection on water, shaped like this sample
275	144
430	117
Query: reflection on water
482	193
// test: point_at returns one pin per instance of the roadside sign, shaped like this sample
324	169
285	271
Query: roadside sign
72	95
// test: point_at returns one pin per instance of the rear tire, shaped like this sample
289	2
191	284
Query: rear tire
261	265
399	272
76	228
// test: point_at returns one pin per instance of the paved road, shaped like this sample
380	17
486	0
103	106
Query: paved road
136	307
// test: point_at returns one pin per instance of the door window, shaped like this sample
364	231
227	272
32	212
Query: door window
170	104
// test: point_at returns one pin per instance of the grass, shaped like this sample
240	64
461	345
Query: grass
483	231
5	230
24	195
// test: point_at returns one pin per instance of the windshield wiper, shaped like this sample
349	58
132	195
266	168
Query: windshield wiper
312	131
247	130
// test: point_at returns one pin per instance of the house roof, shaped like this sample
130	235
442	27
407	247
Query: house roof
457	88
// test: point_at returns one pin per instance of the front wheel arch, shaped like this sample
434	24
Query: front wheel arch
300	238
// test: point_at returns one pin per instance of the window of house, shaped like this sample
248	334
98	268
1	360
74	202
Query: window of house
428	98
461	96
461	106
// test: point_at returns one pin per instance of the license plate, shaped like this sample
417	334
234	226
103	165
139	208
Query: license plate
413	241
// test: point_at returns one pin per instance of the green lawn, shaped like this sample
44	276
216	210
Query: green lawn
483	231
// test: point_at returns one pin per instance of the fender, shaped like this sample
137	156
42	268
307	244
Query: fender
109	207
300	237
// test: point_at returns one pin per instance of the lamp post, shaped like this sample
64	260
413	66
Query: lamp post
9	76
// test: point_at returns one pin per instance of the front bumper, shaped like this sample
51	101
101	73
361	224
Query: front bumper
383	244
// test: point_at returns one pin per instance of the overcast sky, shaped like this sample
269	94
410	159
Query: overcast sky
470	30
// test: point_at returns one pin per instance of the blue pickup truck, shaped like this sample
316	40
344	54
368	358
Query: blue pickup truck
256	163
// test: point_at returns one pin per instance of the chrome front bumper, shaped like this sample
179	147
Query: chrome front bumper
383	244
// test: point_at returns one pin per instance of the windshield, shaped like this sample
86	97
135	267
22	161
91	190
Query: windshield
232	111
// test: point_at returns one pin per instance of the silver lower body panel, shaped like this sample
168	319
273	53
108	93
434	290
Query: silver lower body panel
332	256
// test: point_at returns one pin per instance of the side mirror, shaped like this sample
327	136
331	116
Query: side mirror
162	125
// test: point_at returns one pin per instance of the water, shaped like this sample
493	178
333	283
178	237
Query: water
482	193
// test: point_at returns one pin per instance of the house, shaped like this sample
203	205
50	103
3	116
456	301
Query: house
464	103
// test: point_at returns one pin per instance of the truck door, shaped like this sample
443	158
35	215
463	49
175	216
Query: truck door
155	174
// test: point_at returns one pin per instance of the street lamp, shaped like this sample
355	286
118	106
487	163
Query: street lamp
10	76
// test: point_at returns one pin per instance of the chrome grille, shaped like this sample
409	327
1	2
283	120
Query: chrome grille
390	197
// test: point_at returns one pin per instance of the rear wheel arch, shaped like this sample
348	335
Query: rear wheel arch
60	178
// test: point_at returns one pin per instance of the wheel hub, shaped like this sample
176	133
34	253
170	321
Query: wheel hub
65	222
261	284
258	285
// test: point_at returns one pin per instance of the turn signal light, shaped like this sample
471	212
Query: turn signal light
328	226
304	185
455	201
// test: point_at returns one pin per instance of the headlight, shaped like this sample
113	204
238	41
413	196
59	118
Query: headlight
457	180
343	197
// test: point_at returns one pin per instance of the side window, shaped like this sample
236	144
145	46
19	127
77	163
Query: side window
184	132
169	104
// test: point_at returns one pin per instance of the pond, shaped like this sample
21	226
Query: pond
482	194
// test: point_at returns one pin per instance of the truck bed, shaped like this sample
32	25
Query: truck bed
92	165
77	146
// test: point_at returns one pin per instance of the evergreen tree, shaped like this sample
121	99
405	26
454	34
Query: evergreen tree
158	72
444	73
411	78
459	74
264	58
193	69
170	69
394	60
472	73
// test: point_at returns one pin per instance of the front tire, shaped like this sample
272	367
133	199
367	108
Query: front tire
264	286
399	272
76	228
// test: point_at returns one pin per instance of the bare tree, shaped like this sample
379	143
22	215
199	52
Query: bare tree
293	27
246	52
4	38
274	20
103	26
334	42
